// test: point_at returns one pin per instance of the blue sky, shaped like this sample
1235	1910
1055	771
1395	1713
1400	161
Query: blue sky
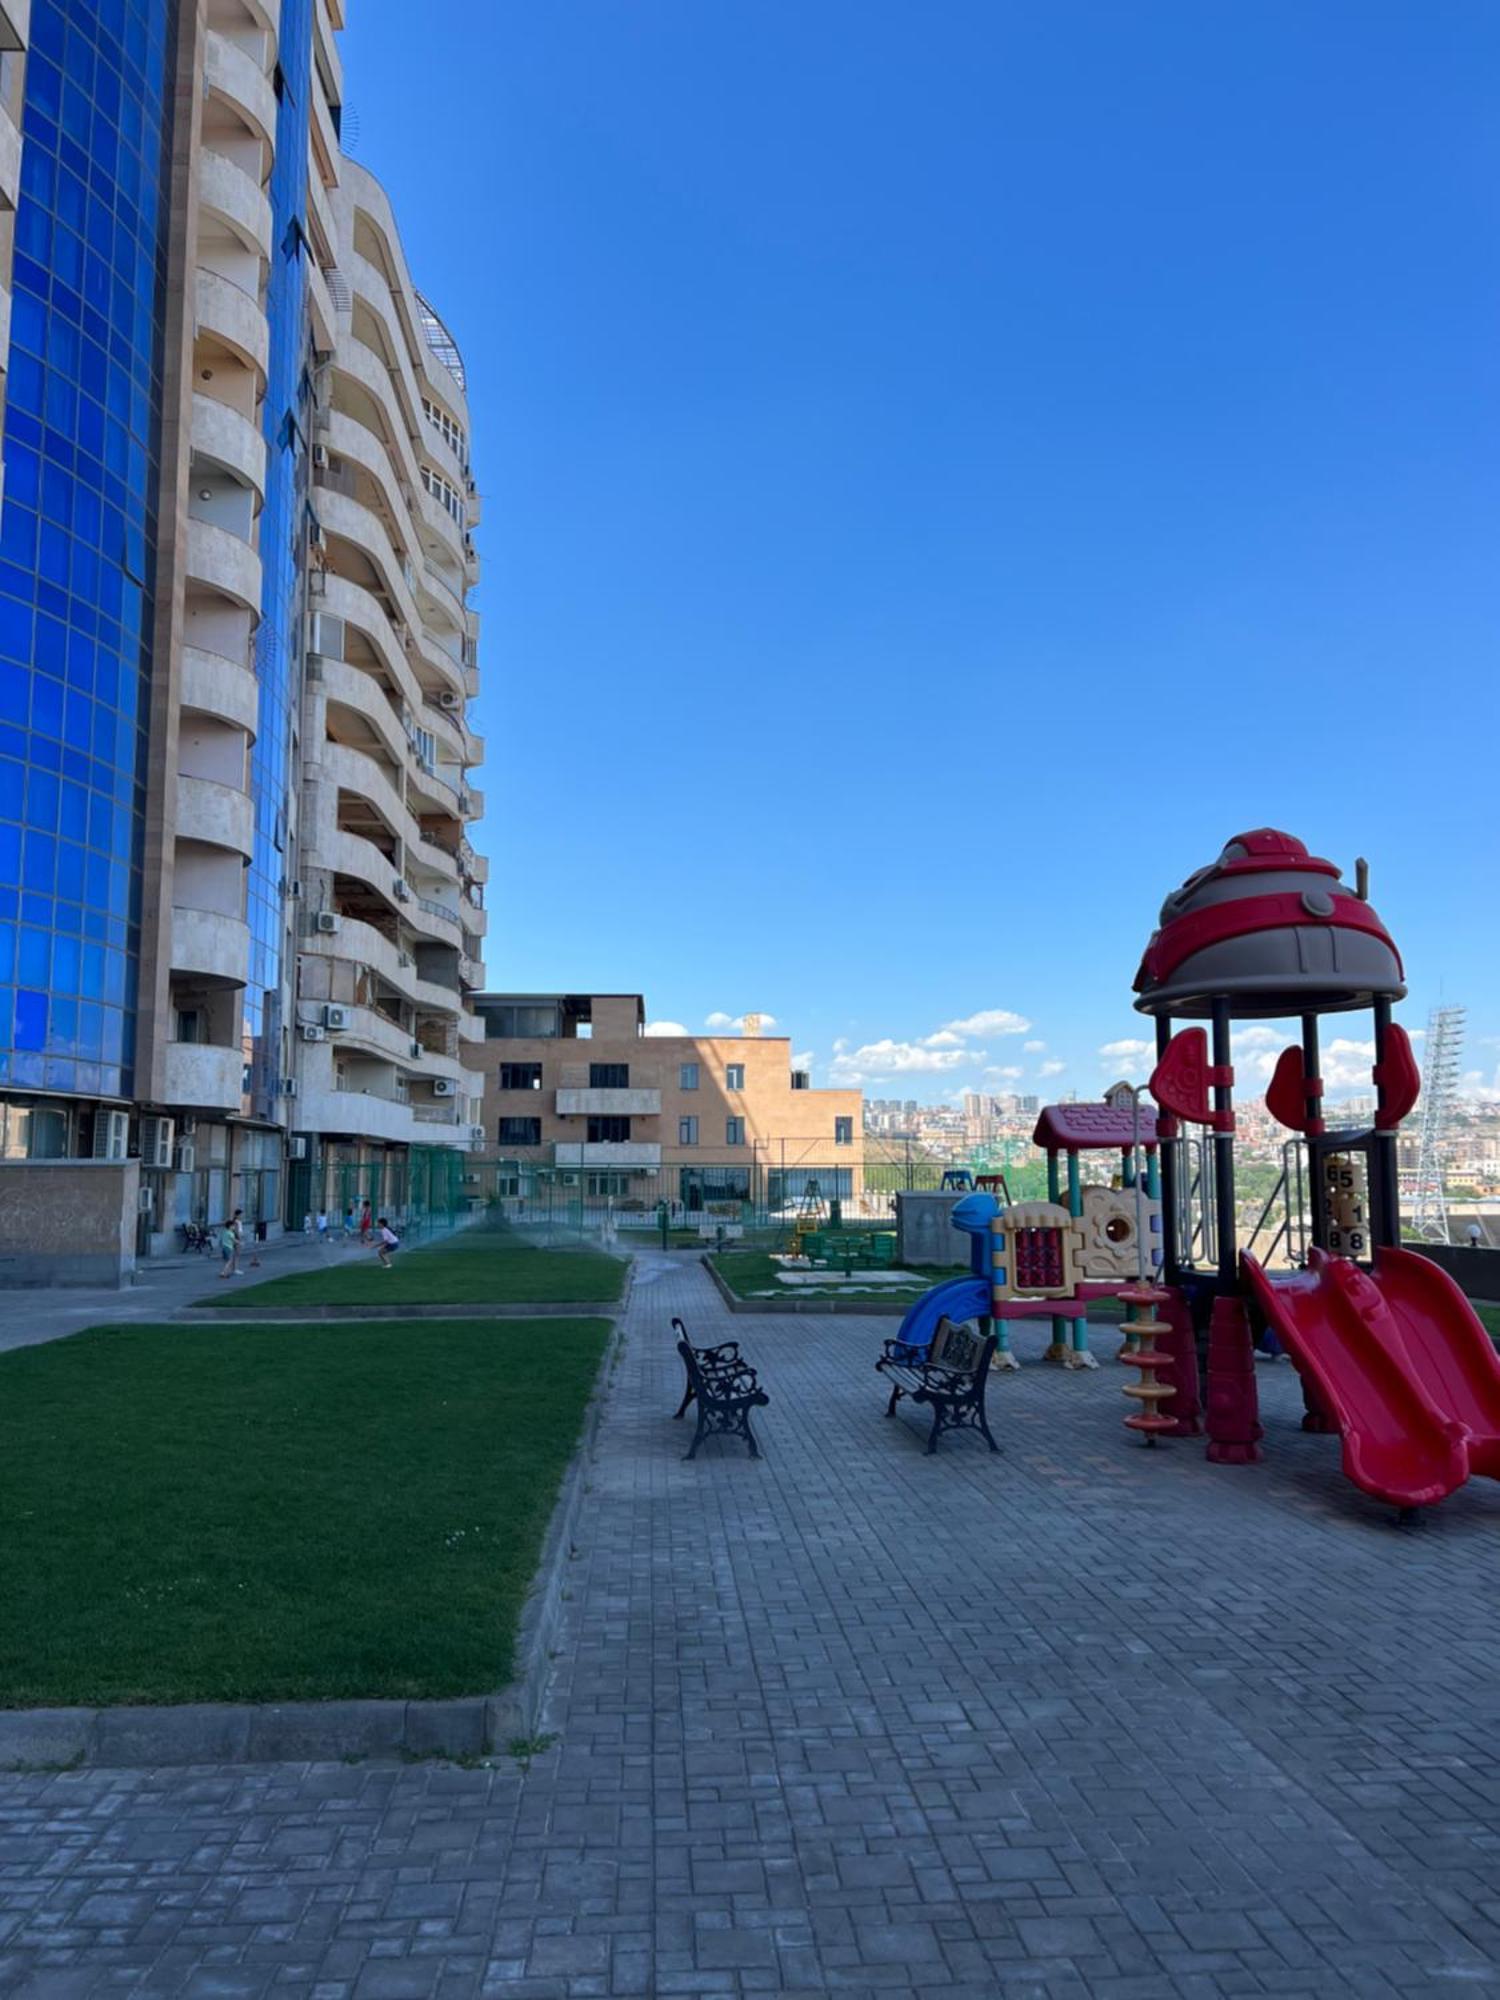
946	468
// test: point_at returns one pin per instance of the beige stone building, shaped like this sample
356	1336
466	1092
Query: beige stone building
577	1094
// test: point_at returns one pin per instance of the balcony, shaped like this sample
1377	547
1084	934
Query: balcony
218	815
202	1077
215	947
608	1103
606	1153
356	1114
228	311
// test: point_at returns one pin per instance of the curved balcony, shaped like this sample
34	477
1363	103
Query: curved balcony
358	1114
317	195
363	612
447	596
368	284
357	771
438	521
229	192
357	443
201	1077
216	686
216	814
227	311
224	561
360	943
220	432
369	1031
267	17
352	854
230	73
429	785
211	946
364	366
325	319
356	689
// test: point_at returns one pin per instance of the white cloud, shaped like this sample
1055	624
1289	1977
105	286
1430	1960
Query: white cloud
1033	1048
1128	1049
802	1059
734	1024
876	1061
990	1021
1009	1075
665	1028
1346	1064
943	1039
1052	1068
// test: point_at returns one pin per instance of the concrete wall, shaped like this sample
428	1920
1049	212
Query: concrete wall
1478	1271
67	1222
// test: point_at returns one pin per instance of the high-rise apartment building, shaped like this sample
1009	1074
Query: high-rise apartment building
239	916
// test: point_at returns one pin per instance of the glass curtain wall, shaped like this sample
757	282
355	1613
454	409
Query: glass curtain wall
77	539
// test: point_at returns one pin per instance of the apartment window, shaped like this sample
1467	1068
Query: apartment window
687	1076
687	1131
520	1132
445	495
187	1025
734	1131
843	1131
508	1021
520	1076
608	1131
734	1076
609	1076
449	431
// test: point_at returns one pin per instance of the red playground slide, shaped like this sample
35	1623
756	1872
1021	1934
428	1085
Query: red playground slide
1401	1360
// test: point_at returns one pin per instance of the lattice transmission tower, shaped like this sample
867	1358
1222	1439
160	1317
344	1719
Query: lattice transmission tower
1440	1063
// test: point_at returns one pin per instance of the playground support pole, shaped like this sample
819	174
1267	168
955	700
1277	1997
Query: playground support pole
1167	1152
1224	1150
1078	1332
1387	1204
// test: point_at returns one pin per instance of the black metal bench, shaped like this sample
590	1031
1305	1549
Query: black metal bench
949	1375
725	1388
726	1357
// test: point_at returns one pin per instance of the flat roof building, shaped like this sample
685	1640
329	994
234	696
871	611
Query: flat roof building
577	1093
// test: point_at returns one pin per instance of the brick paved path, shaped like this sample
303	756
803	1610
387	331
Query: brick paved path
1140	1727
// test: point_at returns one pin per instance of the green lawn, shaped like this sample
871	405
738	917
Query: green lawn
266	1513
1491	1317
480	1267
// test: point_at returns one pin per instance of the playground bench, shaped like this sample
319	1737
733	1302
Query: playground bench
725	1388
949	1375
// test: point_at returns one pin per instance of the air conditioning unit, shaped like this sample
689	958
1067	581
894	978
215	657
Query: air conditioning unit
335	1017
157	1135
476	1133
183	1156
296	1147
320	456
417	1049
111	1135
287	1087
311	1032
402	890
449	700
327	922
444	1086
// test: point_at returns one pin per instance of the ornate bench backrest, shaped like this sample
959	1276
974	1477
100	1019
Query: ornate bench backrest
954	1346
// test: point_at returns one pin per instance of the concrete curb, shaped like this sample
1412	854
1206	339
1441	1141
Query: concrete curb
307	1315
321	1731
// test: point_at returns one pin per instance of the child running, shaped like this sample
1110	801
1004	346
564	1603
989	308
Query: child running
386	1241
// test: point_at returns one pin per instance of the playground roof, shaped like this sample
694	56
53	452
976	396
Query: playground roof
1081	1128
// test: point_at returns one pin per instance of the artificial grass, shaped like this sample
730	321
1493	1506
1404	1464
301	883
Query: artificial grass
1490	1315
481	1267
752	1274
275	1513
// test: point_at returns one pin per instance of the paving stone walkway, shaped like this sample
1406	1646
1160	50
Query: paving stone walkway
1078	1720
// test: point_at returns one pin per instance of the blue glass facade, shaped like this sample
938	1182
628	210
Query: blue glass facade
77	539
283	541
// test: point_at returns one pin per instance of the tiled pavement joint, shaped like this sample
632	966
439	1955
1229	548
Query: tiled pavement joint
1078	1722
